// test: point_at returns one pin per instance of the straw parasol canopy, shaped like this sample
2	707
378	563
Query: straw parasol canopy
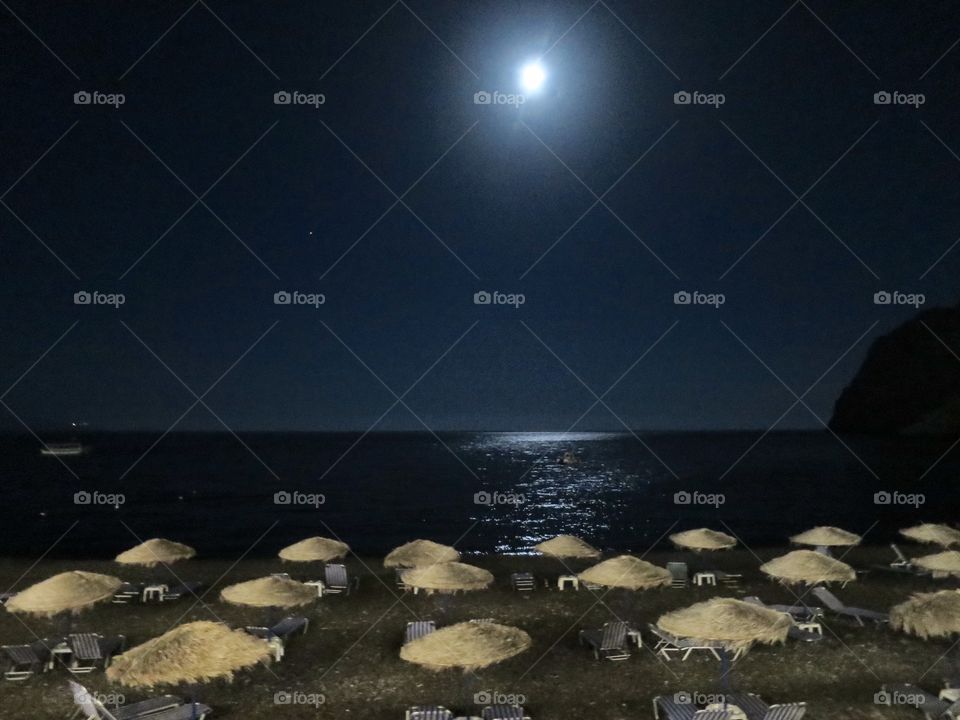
420	552
734	624
947	562
928	615
627	571
567	546
448	577
467	645
703	539
156	551
315	549
942	535
269	592
67	592
826	536
191	653
808	566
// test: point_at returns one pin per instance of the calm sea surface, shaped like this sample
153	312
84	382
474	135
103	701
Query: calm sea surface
220	493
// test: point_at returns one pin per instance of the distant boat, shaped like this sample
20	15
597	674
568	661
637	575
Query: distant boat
67	448
569	458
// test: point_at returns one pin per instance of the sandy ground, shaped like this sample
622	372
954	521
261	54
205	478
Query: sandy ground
350	661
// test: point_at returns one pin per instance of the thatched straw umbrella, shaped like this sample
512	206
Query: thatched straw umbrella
928	615
448	577
68	592
567	546
942	535
826	536
191	653
703	539
627	571
735	625
466	645
940	564
315	549
420	552
156	551
808	566
269	592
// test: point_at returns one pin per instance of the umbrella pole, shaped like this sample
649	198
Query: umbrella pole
725	668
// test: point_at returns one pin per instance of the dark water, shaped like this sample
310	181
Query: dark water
216	492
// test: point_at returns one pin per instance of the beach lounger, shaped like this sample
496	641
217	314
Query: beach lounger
680	573
669	707
667	643
417	629
429	712
756	709
608	642
800	613
504	712
729	580
182	590
5	596
523	582
279	635
165	707
398	578
336	581
858	614
22	661
91	651
127	593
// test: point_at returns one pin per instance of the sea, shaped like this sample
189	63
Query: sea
250	494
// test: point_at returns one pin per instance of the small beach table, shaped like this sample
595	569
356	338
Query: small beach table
154	592
705	578
736	713
317	585
565	580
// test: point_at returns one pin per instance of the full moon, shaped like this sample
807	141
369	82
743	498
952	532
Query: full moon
532	76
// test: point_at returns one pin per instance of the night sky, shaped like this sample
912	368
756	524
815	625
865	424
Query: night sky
399	198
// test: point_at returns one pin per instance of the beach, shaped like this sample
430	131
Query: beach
348	664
